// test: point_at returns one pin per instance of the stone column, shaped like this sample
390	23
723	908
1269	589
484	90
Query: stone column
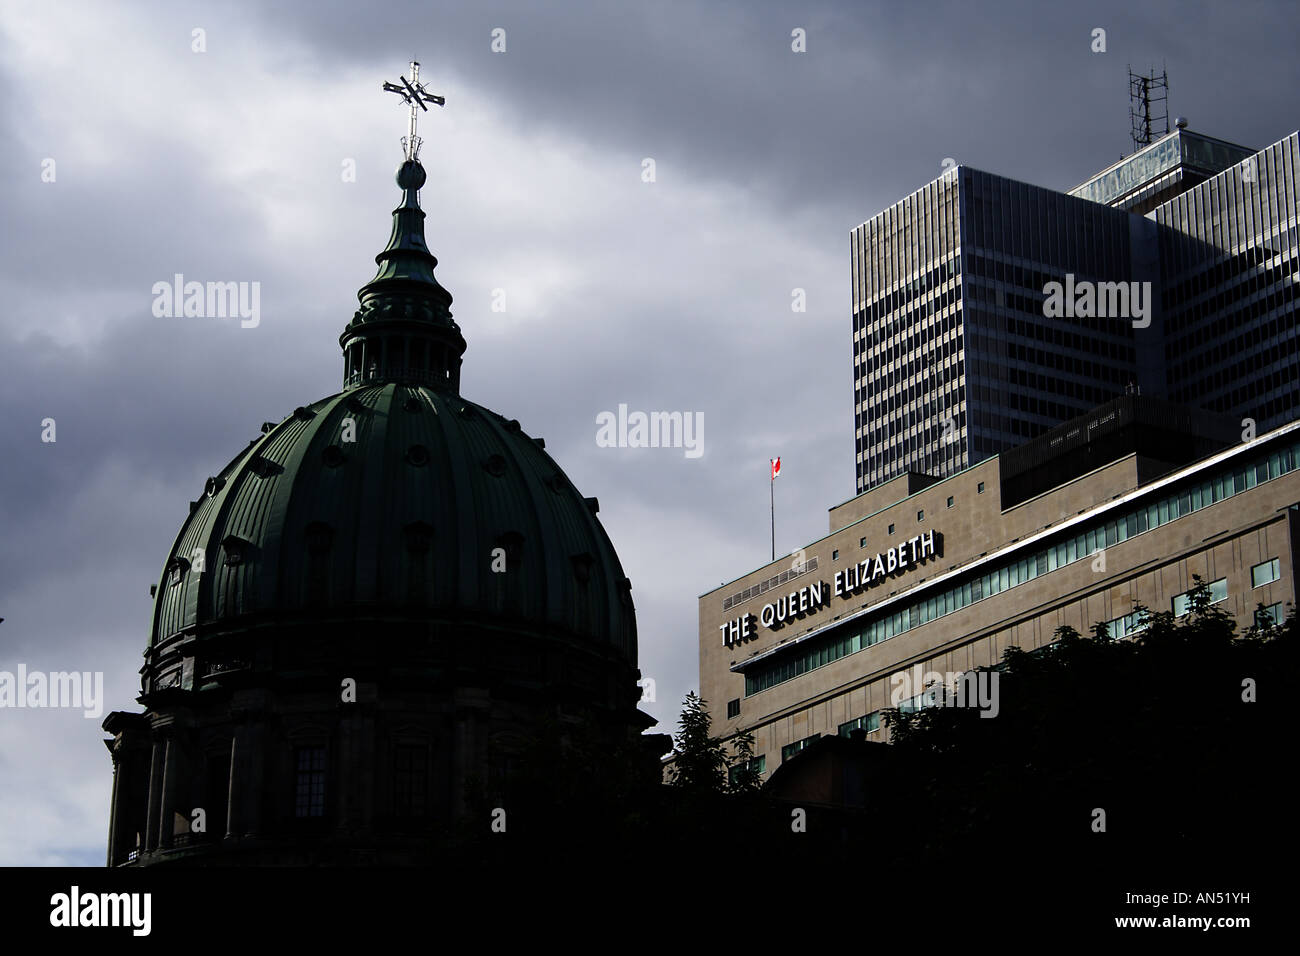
168	806
238	773
345	786
468	744
114	821
246	790
363	720
130	755
229	824
155	793
356	754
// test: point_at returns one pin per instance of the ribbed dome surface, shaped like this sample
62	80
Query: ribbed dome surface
404	522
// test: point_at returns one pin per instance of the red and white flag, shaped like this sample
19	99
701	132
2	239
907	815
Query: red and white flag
776	467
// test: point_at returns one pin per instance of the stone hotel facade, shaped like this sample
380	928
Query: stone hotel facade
1104	511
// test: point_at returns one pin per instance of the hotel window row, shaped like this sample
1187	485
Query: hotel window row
757	765
789	750
1265	573
870	724
853	637
1182	603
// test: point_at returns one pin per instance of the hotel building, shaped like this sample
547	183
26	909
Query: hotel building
1119	506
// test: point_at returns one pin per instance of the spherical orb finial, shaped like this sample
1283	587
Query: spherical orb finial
410	175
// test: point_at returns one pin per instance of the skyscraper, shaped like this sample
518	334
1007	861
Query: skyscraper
1230	265
959	354
954	359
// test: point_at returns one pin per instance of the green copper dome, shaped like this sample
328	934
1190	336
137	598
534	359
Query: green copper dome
438	507
396	499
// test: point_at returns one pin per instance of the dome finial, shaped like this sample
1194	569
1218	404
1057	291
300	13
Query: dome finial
414	94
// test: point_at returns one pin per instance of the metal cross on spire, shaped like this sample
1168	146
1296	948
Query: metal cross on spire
413	93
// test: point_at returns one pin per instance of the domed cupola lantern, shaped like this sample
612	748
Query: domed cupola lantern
403	331
366	609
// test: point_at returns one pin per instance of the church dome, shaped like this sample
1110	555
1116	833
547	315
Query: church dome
379	617
395	500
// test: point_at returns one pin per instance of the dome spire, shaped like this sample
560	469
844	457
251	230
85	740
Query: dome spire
404	331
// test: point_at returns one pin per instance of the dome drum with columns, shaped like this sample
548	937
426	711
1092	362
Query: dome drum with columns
367	610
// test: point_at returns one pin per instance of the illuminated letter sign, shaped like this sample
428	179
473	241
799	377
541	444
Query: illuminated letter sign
846	583
738	629
794	605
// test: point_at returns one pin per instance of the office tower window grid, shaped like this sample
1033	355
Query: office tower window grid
907	335
954	359
1230	266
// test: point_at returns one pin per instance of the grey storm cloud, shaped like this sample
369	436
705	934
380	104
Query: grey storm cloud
673	295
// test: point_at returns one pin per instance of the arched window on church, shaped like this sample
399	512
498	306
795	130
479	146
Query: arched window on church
410	782
505	764
309	782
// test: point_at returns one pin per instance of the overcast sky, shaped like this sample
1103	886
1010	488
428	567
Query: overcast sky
674	295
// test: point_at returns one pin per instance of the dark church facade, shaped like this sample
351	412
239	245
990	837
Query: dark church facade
371	613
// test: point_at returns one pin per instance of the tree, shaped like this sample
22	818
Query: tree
699	758
744	777
1173	731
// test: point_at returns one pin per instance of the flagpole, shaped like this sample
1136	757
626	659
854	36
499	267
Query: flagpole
771	494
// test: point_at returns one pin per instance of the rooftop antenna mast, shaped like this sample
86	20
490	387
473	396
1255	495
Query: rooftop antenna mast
1148	105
